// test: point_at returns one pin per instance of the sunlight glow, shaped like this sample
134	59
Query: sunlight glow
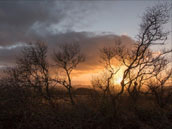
118	80
119	75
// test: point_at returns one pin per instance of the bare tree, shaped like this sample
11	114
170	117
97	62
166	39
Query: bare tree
105	81
158	86
32	69
67	58
140	60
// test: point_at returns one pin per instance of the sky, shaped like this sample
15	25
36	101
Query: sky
93	23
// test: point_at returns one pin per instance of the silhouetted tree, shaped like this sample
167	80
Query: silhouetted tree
158	86
105	82
140	60
67	58
32	69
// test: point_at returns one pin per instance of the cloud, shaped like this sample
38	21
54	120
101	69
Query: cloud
54	23
22	21
90	44
14	46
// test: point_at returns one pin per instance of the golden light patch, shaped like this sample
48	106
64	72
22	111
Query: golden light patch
119	75
118	80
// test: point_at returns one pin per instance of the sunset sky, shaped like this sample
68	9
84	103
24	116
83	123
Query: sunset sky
93	24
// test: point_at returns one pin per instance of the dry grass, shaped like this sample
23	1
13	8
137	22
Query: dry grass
92	111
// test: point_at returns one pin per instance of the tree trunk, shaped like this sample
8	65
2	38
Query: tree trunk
71	97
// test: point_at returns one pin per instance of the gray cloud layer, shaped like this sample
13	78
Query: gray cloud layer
24	21
90	46
18	20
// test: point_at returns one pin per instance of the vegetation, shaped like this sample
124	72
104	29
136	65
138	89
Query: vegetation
31	98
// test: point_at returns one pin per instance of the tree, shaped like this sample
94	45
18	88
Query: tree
67	58
140	60
32	69
158	86
105	81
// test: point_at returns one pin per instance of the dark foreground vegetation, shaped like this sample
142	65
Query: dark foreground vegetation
23	109
31	97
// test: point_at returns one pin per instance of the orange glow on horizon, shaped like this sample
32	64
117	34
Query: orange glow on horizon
84	77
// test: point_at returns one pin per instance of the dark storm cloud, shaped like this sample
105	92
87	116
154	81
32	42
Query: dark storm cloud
90	44
21	21
28	20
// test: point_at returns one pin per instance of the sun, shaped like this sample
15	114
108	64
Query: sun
118	80
119	76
